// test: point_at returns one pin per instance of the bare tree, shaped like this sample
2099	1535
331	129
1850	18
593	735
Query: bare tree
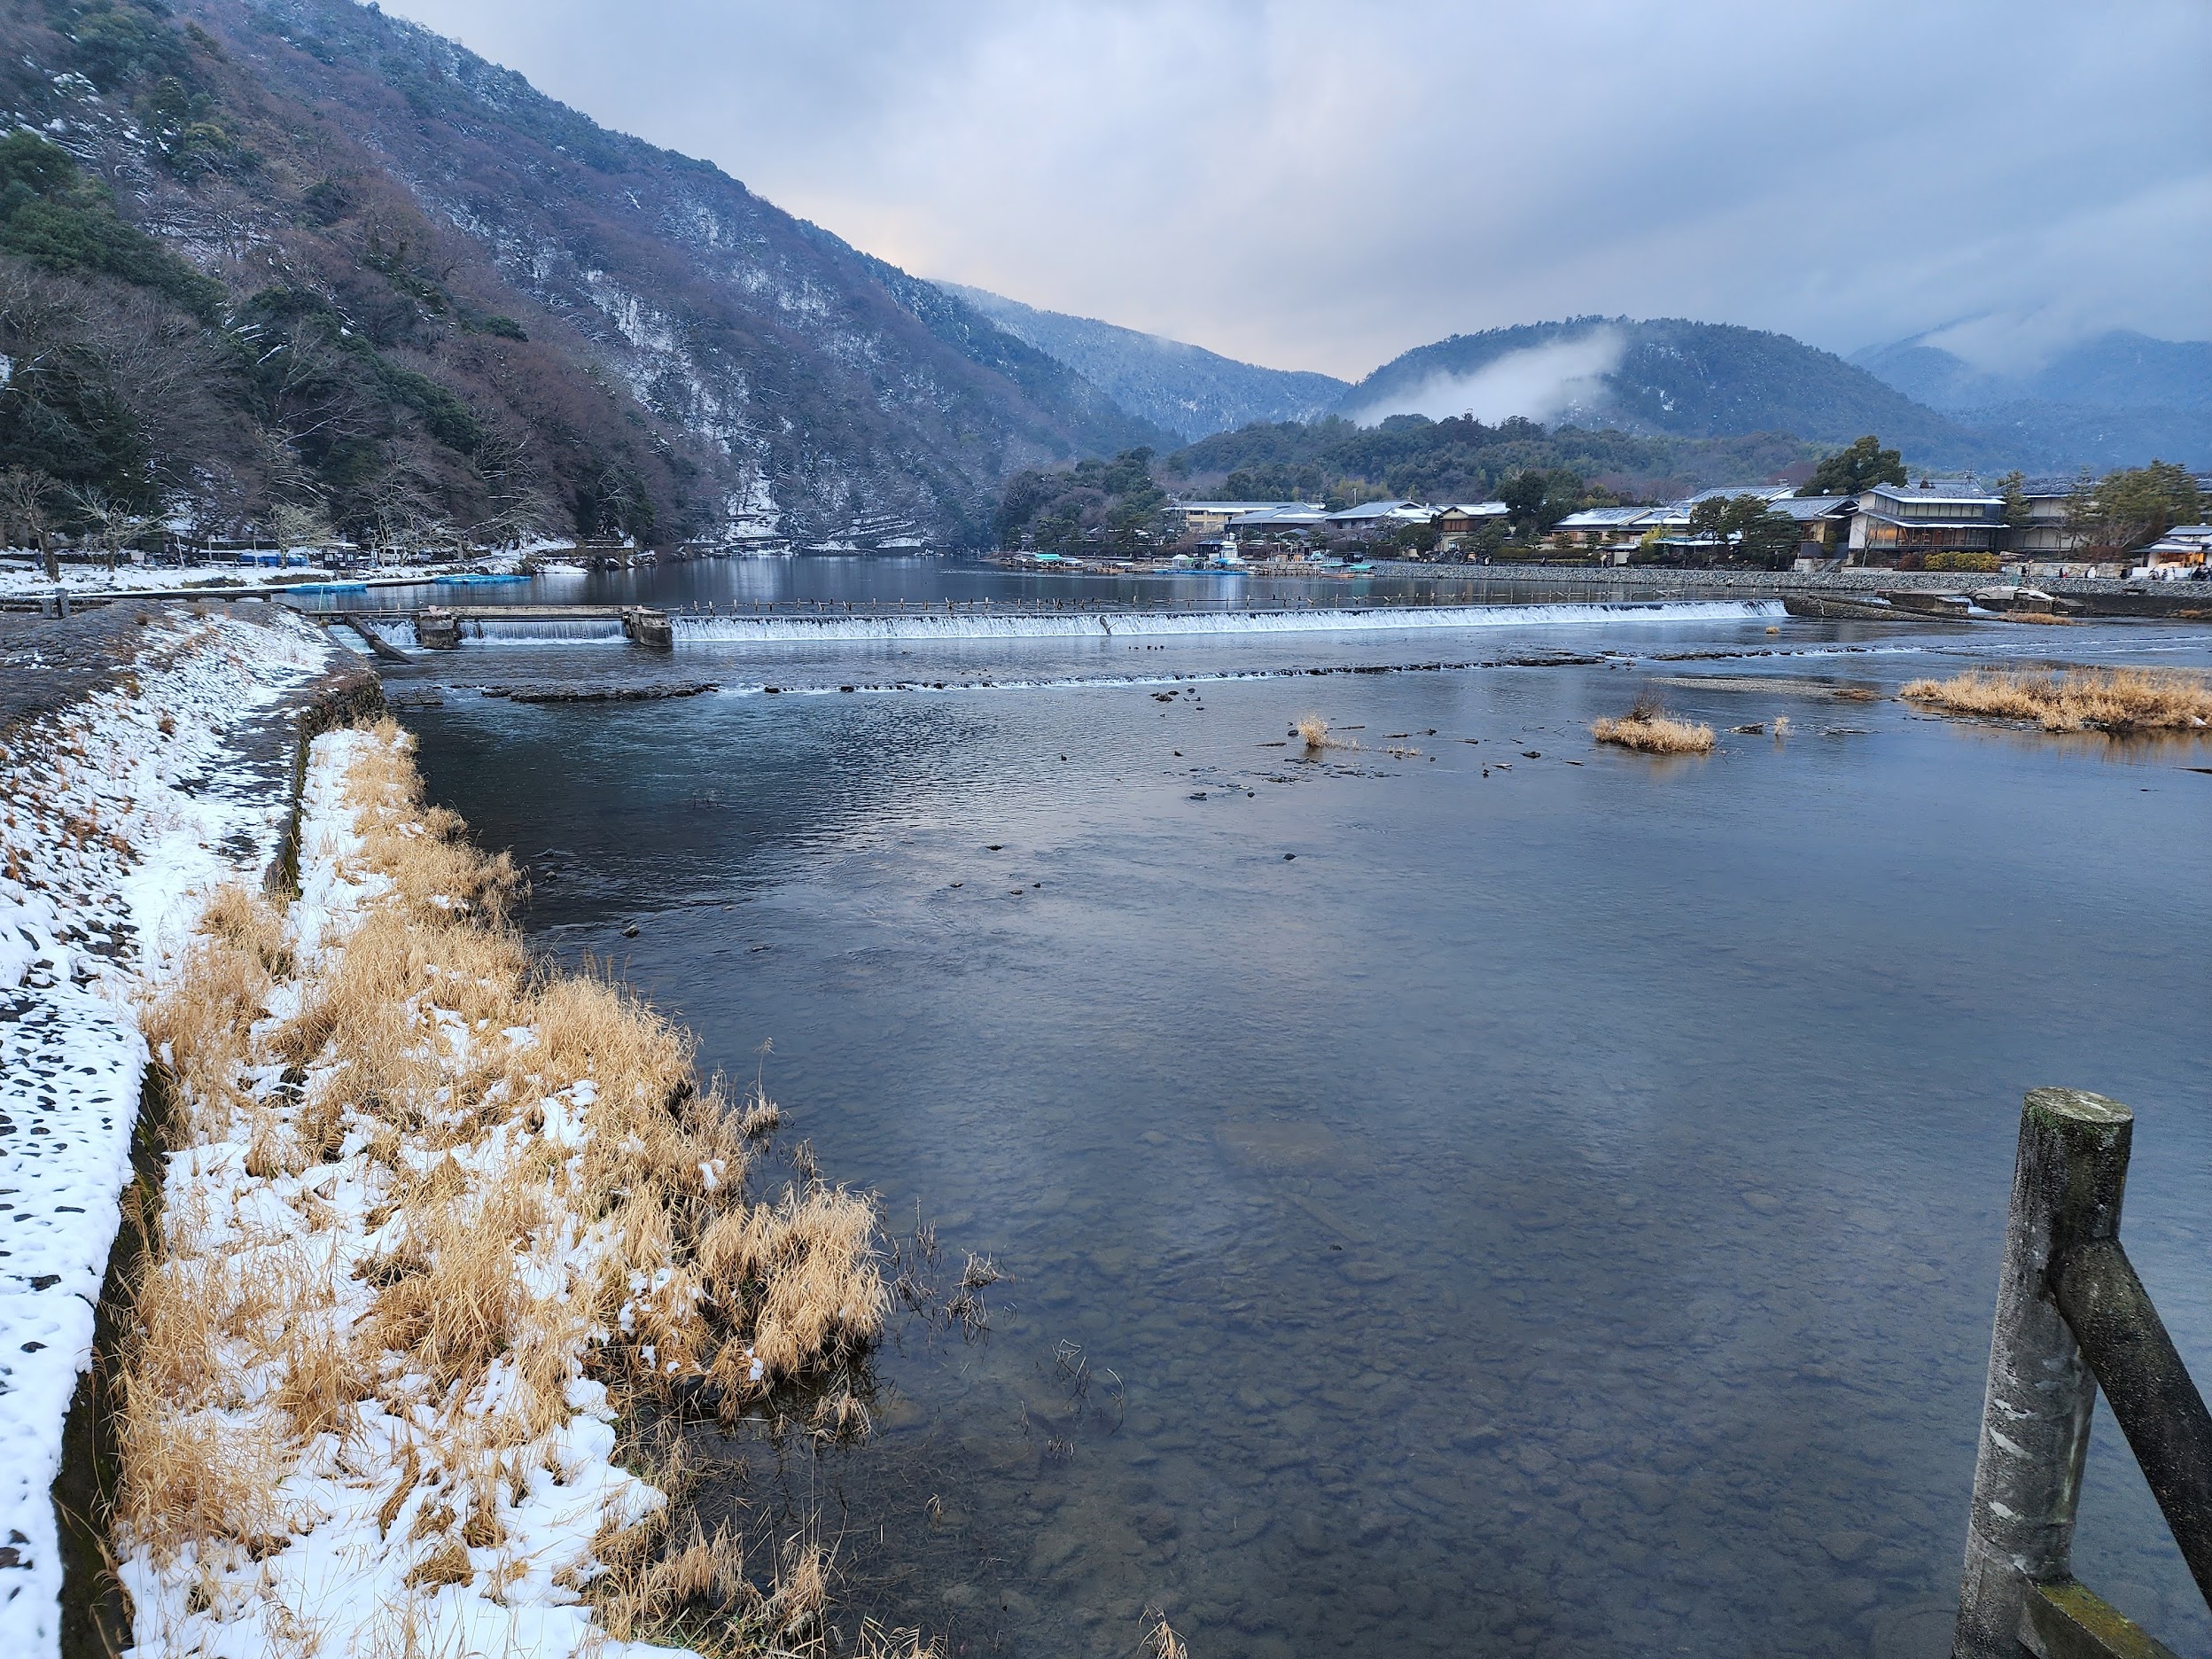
28	496
616	497
296	525
312	396
164	367
402	512
518	505
114	522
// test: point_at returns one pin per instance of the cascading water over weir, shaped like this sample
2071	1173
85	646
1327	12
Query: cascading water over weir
1155	624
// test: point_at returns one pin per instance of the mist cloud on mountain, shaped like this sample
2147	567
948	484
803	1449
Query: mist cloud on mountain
1538	383
1318	186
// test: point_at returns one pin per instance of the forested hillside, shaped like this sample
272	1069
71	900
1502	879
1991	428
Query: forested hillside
297	259
1463	460
1188	390
1676	378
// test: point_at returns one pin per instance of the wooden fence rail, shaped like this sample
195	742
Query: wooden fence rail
2071	1318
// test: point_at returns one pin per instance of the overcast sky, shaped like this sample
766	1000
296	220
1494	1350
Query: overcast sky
1321	184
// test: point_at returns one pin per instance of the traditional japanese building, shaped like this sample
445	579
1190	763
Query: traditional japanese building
1934	514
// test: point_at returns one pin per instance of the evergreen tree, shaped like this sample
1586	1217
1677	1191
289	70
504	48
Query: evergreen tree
1860	467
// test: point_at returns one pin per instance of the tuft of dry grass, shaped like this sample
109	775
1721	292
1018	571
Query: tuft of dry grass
1160	1639
455	1303
1649	729
660	1593
448	1564
2115	700
324	1380
807	1271
1315	732
190	1477
876	1642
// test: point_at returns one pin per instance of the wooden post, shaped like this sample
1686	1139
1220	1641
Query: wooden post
2152	1395
2067	1181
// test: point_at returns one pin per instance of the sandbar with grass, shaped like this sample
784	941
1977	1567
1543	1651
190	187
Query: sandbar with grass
2116	700
1649	729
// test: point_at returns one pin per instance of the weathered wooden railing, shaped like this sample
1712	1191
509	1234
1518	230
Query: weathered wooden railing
2071	1318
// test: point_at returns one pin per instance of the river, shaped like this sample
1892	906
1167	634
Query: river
1474	1192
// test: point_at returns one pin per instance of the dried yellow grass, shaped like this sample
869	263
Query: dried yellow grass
656	1592
324	1378
429	1031
808	1268
1649	729
2116	700
1160	1639
190	1477
1315	731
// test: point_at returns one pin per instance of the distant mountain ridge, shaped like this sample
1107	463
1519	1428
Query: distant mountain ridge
1666	376
498	309
1192	392
2117	399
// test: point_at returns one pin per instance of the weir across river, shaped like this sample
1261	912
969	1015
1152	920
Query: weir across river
447	628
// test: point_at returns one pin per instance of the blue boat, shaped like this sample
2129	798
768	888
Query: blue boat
327	588
471	579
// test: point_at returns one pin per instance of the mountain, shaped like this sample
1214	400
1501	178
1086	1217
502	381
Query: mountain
2118	398
1188	389
1665	378
303	257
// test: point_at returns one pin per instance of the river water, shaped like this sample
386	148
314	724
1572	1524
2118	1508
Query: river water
1471	1193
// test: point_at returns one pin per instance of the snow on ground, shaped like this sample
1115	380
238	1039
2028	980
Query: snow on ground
116	821
430	1517
25	578
356	1419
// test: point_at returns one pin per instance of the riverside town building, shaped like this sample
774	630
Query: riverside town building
1938	519
1945	515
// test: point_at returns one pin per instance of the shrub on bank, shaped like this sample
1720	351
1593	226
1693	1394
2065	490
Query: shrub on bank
1978	564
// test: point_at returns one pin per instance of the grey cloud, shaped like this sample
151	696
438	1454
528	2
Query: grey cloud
1322	186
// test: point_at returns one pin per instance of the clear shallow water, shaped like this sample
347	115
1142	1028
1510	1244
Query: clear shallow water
1554	1212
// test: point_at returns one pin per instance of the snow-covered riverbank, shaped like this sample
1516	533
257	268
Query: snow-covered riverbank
426	1217
426	1204
119	815
25	578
